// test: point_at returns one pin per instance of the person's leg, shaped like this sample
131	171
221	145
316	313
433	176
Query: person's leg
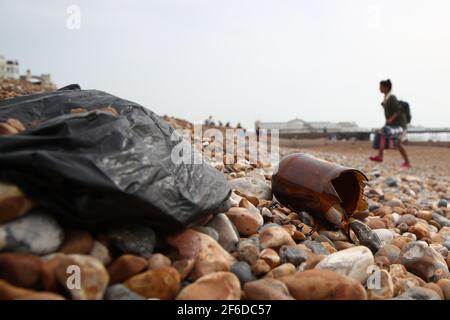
403	153
382	146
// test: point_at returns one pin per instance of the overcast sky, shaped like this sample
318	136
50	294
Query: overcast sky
243	60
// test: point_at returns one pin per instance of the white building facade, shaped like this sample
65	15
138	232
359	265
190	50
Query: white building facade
12	70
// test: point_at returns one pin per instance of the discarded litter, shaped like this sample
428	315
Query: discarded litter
332	193
91	166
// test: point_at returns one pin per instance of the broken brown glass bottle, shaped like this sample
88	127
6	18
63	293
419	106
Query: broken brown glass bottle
332	193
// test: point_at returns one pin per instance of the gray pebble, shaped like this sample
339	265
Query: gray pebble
120	292
316	247
243	271
227	234
135	239
292	254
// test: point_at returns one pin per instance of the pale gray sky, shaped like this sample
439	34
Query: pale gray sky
244	60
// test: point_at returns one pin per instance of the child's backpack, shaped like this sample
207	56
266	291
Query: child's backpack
406	110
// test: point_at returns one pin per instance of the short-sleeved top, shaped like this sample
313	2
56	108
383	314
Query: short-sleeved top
392	106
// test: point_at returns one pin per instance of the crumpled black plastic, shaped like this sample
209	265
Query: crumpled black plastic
94	167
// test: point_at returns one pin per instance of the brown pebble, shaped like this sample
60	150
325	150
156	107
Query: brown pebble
184	267
125	267
162	283
11	292
22	270
281	271
260	267
271	257
436	288
77	241
444	284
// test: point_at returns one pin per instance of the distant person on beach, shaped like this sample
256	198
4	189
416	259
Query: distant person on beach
395	126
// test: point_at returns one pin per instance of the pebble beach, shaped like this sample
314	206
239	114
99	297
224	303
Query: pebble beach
258	249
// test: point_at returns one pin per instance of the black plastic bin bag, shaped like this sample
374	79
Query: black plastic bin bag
95	167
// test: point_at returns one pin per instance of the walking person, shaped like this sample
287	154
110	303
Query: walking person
396	123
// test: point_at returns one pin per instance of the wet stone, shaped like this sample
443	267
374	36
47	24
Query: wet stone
184	267
410	236
444	284
243	271
267	289
447	244
227	235
322	238
419	293
208	231
395	203
443	221
248	251
255	239
408	219
281	271
158	260
125	267
361	215
162	283
306	218
420	230
292	254
134	239
101	252
323	285
209	255
271	257
275	237
260	267
316	247
353	262
366	236
341	245
266	214
19	269
425	215
376	223
403	227
77	241
247	221
13	203
435	287
391	182
391	252
120	292
443	203
424	261
213	286
334	235
384	235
